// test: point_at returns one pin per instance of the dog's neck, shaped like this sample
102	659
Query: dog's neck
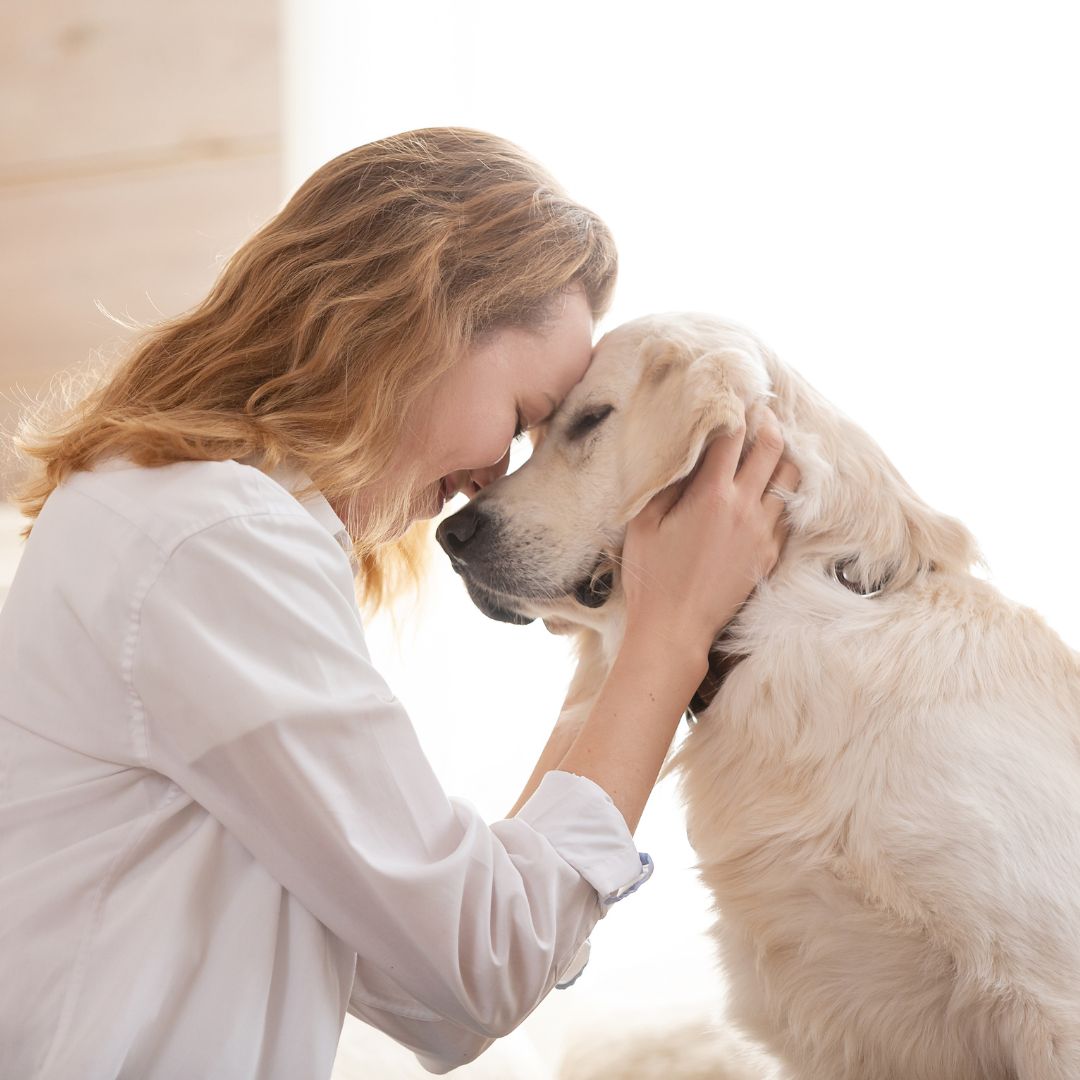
721	663
723	658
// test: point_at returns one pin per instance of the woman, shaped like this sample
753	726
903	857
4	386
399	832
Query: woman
217	830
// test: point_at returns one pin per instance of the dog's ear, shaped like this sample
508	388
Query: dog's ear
682	401
935	541
859	505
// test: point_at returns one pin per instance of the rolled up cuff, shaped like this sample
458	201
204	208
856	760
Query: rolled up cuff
585	827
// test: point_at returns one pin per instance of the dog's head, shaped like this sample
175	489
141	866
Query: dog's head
545	541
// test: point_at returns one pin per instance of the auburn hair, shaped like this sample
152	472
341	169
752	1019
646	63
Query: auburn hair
386	265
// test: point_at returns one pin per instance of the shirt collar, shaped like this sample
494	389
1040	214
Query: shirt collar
293	480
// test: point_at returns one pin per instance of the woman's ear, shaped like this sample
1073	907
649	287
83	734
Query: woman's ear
680	404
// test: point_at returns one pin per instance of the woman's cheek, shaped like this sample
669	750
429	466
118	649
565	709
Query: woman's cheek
491	445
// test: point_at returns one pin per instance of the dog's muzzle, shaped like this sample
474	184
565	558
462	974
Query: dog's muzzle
479	553
460	532
465	537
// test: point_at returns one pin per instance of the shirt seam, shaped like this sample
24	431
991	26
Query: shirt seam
7	756
202	525
137	727
409	1012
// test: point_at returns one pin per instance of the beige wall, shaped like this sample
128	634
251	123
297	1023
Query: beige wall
139	143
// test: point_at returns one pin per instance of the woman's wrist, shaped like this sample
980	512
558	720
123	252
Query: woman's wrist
629	729
653	677
675	647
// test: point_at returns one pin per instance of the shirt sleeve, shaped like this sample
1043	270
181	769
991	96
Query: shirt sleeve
252	689
439	1044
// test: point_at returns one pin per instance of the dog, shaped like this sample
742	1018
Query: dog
882	785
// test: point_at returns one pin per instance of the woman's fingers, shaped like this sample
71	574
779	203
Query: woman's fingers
716	470
719	539
762	473
657	507
720	462
784	481
761	461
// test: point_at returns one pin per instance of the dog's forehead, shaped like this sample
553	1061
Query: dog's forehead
617	362
607	381
637	351
626	341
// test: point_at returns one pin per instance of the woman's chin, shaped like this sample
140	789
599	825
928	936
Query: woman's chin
426	505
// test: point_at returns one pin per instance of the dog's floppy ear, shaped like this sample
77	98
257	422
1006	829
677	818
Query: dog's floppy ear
853	502
681	402
934	540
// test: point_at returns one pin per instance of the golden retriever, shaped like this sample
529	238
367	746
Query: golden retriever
884	790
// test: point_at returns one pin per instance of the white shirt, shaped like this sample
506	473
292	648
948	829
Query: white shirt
217	828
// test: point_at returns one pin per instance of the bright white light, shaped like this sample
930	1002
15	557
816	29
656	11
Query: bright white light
886	194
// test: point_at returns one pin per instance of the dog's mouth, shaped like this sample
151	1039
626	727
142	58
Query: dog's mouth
595	590
494	605
592	591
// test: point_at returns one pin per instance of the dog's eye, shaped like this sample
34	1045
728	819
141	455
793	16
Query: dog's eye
588	421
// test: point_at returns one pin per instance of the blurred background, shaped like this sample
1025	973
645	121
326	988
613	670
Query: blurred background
887	195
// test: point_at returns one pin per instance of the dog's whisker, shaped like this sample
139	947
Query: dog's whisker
636	573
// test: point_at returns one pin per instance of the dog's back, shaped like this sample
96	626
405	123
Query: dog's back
885	796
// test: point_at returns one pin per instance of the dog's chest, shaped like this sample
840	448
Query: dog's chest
787	751
742	777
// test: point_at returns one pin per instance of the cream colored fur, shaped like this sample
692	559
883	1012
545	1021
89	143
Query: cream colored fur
690	1050
885	795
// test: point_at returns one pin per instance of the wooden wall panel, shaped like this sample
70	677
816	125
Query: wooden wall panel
139	144
88	85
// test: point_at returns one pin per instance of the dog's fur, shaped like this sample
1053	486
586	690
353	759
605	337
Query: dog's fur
885	793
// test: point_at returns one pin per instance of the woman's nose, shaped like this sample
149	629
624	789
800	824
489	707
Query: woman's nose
482	477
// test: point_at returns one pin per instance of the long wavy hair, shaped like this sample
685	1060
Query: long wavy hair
323	328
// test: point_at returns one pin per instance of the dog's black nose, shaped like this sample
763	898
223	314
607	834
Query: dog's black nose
458	531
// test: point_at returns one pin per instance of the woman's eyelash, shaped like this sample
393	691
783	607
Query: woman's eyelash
520	429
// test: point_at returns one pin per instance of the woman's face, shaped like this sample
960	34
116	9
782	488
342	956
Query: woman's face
459	434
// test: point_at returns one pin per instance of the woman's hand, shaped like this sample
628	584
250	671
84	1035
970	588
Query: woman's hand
691	557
